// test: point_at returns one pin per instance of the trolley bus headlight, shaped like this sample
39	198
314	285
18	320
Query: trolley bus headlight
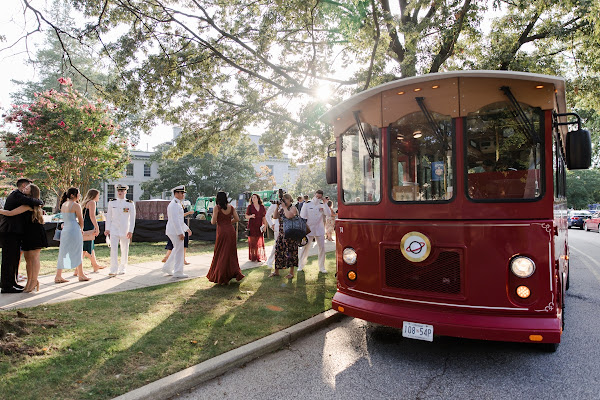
522	267
349	256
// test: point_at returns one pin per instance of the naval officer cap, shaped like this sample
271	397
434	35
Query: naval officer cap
121	187
180	188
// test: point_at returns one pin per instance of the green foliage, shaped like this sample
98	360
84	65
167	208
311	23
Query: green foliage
218	67
204	174
64	140
583	188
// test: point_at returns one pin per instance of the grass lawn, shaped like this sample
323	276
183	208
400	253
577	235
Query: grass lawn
139	252
103	346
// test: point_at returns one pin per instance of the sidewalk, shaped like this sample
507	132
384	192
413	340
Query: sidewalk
137	276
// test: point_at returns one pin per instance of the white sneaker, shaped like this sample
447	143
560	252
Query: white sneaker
180	276
299	269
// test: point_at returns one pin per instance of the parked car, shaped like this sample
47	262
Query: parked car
577	218
593	223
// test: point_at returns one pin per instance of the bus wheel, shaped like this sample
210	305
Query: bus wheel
549	347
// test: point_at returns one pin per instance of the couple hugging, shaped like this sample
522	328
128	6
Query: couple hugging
22	229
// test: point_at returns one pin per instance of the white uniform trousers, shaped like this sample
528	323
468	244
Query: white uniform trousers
114	253
174	264
271	260
304	256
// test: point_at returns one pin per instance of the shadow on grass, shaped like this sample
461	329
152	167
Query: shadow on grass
107	345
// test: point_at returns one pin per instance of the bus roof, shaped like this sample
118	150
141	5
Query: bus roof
558	82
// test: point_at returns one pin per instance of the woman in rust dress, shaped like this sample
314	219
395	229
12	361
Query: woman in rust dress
224	266
257	223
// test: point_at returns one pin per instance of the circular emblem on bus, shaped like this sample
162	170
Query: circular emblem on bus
415	246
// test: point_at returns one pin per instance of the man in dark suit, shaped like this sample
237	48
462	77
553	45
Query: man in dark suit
12	231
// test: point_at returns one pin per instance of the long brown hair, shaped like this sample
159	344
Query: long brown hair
90	195
38	214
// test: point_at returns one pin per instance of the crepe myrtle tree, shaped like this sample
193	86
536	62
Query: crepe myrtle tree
62	139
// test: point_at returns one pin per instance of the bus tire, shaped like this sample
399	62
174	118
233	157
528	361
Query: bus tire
549	347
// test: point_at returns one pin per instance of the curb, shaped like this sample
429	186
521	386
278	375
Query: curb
181	381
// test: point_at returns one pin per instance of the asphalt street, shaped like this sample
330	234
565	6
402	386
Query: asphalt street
353	359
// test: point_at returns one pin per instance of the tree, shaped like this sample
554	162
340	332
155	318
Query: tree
263	180
205	174
64	140
50	62
311	178
217	67
583	188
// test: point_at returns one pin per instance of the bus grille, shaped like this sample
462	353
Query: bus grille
440	276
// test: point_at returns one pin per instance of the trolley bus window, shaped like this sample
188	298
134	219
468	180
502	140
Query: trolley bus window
422	160
503	157
361	170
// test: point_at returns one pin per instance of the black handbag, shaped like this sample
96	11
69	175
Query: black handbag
295	228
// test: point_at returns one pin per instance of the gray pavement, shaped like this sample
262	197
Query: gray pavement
137	276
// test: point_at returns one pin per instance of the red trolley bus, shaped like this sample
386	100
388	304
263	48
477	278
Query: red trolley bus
452	207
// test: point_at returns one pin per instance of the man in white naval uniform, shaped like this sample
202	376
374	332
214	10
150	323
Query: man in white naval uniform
176	230
314	212
273	224
119	225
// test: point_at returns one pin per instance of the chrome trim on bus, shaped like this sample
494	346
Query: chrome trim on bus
436	303
550	262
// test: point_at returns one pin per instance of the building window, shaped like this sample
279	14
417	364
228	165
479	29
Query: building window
147	169
129	170
110	191
129	195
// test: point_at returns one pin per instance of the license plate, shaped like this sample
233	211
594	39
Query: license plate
417	331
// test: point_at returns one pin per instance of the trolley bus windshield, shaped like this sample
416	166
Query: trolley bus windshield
361	173
503	159
422	160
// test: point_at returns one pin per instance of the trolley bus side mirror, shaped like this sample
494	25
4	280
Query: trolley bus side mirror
331	165
579	149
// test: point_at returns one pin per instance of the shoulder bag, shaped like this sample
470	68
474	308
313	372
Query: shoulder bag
295	228
57	233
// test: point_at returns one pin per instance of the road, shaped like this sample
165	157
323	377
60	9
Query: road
356	360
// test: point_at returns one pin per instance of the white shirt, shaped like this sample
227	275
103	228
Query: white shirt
313	212
120	218
175	224
273	223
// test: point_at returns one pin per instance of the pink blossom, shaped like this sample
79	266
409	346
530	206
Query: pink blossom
51	157
89	129
61	124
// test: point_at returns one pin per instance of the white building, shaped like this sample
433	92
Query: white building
139	170
284	174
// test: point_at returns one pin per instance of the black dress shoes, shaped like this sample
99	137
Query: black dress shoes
12	289
18	286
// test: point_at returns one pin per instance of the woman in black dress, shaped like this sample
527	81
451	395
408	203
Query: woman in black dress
91	224
34	238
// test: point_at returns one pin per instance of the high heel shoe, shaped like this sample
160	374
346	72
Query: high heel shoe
36	287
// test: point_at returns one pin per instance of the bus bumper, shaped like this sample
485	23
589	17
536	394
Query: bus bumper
456	323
